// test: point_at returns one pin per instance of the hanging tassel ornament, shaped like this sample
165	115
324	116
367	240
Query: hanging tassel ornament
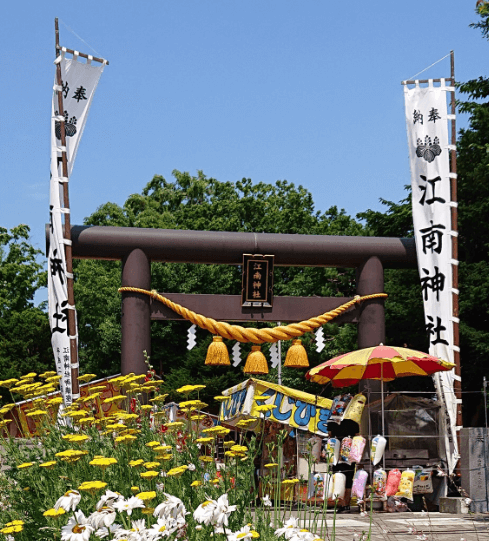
217	354
296	356
256	362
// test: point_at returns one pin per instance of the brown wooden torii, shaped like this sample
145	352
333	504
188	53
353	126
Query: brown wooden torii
137	247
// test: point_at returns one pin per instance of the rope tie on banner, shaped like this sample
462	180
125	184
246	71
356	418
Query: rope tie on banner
257	336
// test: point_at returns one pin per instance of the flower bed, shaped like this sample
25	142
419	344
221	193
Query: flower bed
132	476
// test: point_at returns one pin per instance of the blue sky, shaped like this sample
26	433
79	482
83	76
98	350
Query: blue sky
308	91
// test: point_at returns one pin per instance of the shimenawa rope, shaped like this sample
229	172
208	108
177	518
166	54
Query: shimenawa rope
257	336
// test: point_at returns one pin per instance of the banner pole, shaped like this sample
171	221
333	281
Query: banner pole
75	386
457	384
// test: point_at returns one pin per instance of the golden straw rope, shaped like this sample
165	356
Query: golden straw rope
257	336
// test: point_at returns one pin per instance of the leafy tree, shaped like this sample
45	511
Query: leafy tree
25	338
201	203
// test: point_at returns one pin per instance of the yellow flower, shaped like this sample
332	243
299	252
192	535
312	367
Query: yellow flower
164	457
85	421
218	430
96	388
135	490
146	407
92	486
290	481
48	464
159	398
86	377
136	463
214	481
176	471
47	374
153	443
8	383
36	413
130	431
76	438
175	425
146	496
25	465
5	422
271	465
70	454
128	438
115	427
55	401
161	447
53	379
239	448
115	398
244	423
14	528
206	458
151	465
149	474
196	483
103	462
265	408
54	512
229	443
192	404
204	440
186	389
30	375
75	414
221	398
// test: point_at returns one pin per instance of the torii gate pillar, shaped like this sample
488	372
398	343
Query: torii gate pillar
136	313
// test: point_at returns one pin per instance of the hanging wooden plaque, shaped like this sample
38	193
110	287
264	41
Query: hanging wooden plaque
257	287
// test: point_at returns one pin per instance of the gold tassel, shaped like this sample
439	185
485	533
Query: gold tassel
256	362
217	354
296	356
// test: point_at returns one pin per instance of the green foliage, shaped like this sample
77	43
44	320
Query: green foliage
25	338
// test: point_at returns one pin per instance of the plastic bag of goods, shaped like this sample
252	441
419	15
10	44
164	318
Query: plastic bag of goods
345	449
355	408
328	485
359	484
392	482
333	450
406	483
377	449
422	481
379	481
357	446
339	485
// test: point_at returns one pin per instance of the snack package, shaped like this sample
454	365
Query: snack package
422	481
357	447
339	485
377	449
392	482
406	483
333	450
359	484
355	408
345	449
379	480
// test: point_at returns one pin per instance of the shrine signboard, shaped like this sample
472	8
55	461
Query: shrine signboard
257	280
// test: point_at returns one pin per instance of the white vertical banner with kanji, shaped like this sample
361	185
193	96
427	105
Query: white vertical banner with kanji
427	129
79	81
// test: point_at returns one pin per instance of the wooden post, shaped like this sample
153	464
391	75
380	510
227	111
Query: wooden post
457	384
75	387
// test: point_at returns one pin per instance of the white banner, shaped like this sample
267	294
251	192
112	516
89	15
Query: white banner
79	81
427	128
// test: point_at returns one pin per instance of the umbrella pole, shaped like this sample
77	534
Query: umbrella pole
382	405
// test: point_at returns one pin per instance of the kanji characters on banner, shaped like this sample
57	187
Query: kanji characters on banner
79	81
427	128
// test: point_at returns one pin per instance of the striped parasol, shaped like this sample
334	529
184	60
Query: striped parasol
384	363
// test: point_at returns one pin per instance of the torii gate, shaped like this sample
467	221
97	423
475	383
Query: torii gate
137	247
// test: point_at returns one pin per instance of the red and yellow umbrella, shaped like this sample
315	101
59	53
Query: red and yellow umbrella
384	363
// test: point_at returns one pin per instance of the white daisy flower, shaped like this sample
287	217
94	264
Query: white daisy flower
77	529
267	502
288	529
205	512
68	501
171	507
102	517
107	499
105	531
222	511
128	505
